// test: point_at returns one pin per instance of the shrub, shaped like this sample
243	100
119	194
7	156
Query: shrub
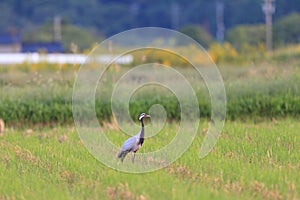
287	30
221	53
246	35
199	34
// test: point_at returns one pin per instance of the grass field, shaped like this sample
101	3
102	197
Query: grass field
256	157
250	161
44	96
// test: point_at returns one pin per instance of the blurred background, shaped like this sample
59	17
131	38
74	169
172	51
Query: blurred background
75	26
255	43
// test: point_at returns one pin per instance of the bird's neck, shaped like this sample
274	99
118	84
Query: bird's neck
142	122
142	131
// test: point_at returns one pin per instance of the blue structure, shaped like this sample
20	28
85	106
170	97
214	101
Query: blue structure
47	47
10	38
10	43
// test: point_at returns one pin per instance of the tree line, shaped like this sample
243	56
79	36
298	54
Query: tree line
112	16
85	22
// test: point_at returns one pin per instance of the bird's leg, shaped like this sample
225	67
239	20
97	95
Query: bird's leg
133	157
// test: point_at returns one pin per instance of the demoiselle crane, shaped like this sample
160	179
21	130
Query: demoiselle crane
134	143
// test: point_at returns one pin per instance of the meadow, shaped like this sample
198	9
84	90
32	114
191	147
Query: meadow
44	96
256	157
250	161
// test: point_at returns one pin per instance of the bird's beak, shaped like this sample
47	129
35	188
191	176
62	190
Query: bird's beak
147	116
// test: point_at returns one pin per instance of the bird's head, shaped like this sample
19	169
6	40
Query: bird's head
143	115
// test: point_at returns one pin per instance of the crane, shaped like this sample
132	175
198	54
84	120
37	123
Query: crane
134	143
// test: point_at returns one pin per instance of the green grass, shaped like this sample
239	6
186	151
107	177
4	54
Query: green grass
256	157
250	161
45	96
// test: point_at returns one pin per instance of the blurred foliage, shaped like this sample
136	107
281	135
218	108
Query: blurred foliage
244	35
223	53
74	38
226	53
287	55
287	30
113	16
245	100
94	20
198	33
157	56
42	93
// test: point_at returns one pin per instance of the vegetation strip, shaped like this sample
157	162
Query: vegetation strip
250	161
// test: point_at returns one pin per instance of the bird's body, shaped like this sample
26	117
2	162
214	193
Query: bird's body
131	145
134	143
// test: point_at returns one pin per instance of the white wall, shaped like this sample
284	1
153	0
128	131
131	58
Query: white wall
19	58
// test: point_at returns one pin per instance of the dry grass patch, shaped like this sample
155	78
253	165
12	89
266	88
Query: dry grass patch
123	192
